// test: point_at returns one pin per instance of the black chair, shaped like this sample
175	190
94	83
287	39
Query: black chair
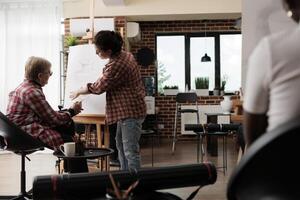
220	130
187	98
269	169
21	143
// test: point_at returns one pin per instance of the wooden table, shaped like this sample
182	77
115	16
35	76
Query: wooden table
99	121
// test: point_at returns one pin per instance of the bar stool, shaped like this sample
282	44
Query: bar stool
181	99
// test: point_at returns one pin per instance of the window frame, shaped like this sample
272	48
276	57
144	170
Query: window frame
187	66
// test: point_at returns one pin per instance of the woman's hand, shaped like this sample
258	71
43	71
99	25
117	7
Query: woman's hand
77	107
76	93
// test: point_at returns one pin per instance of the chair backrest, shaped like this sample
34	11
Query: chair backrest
186	97
16	138
269	169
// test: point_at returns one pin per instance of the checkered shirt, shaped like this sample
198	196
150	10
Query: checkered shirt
29	109
125	92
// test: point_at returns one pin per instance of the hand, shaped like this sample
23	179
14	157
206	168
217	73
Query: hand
76	93
77	107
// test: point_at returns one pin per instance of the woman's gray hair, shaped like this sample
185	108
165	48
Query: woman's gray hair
34	66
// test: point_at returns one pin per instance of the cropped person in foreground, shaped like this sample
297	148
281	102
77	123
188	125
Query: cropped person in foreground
272	96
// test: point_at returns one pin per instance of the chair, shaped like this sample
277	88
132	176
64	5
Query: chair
269	169
220	130
21	143
181	99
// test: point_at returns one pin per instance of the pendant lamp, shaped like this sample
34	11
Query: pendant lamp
205	58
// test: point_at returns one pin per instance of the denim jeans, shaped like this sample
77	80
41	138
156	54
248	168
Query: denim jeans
127	139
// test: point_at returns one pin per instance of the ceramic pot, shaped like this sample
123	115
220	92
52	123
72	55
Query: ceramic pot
226	104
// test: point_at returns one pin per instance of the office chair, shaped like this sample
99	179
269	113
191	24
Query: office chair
269	169
21	143
183	99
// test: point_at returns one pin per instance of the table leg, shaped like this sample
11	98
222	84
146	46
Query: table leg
99	135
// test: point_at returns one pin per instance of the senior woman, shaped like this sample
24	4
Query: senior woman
29	109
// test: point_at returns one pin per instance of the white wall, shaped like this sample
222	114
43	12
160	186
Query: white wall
80	8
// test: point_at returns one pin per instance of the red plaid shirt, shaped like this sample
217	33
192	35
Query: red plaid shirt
125	92
29	109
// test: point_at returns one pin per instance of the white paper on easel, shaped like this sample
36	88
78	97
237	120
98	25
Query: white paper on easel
84	66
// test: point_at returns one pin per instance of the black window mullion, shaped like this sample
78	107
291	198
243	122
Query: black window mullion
187	62
217	61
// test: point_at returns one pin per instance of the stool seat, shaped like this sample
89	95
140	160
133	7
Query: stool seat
188	111
147	132
194	127
218	133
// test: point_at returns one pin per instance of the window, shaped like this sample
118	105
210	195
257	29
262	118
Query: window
179	59
198	47
230	53
171	61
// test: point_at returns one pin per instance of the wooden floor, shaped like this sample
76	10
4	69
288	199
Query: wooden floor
44	163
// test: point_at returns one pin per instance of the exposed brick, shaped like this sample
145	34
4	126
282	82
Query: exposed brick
166	104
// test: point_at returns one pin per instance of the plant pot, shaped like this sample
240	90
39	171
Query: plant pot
216	92
202	92
226	104
171	91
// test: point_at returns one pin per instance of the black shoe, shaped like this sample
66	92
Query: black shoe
114	163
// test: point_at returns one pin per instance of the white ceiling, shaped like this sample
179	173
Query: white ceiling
153	10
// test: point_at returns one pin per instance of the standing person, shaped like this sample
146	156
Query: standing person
272	96
114	161
125	104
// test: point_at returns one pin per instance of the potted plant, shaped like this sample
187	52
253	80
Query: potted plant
71	40
223	84
170	90
202	84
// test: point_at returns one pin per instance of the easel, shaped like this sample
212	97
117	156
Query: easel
98	120
90	34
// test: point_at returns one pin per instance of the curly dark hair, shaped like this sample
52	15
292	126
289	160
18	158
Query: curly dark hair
109	40
294	7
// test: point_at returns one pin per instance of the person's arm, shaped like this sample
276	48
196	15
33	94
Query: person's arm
37	102
254	126
113	75
81	91
256	100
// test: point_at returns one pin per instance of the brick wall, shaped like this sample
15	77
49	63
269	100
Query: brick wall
166	104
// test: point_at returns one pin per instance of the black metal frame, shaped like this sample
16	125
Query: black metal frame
187	36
